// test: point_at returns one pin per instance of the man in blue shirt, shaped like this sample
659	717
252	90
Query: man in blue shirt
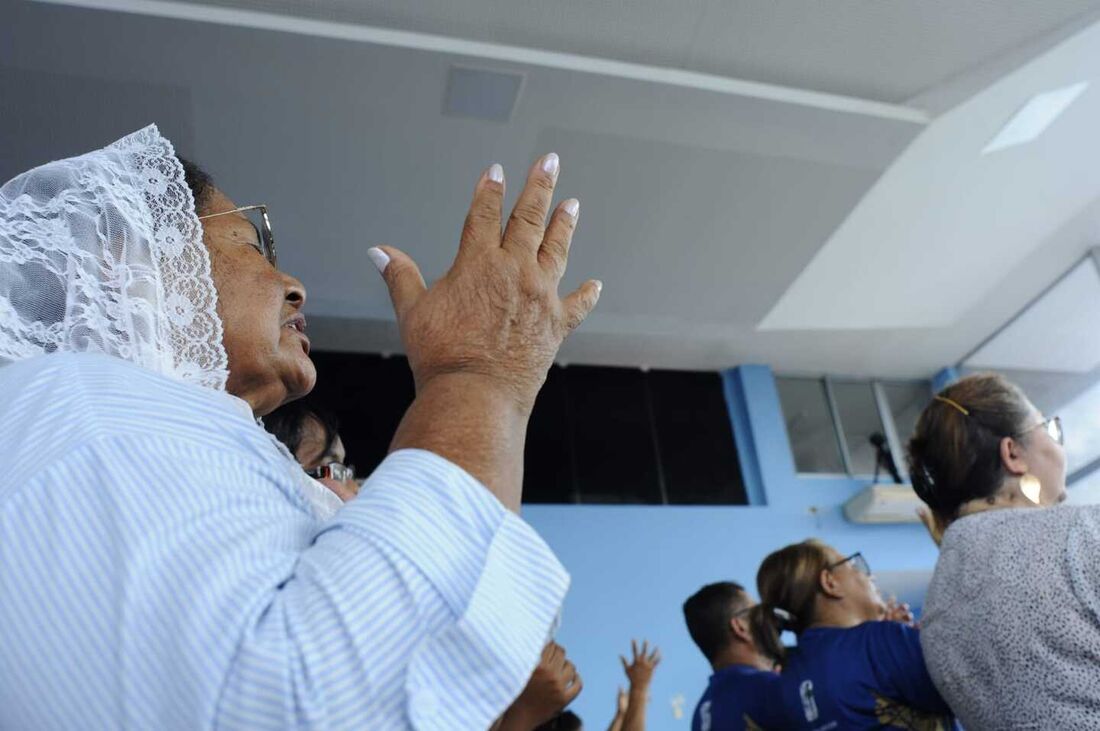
744	691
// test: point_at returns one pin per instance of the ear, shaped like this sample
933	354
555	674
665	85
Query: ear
740	629
1012	456
829	585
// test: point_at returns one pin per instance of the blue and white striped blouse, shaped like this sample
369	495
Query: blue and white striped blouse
159	570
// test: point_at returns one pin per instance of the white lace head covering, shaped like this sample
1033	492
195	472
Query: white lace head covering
104	253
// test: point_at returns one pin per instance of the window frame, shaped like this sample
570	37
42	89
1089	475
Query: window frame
885	413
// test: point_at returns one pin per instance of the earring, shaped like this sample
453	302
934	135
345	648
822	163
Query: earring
1030	487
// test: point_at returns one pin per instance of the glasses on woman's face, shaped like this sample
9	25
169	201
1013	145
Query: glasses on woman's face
261	222
858	562
1053	428
333	471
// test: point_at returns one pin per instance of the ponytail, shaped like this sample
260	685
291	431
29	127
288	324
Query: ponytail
788	582
768	623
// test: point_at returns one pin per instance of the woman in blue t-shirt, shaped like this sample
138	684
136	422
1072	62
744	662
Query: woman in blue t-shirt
851	669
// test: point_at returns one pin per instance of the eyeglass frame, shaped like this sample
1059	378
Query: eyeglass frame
858	561
333	471
265	243
1045	424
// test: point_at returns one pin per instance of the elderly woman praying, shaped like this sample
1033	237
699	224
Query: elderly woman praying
164	563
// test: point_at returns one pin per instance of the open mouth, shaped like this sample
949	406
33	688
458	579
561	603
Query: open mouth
298	325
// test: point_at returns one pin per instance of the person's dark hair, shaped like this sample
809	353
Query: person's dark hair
564	721
198	180
288	423
955	451
788	581
708	613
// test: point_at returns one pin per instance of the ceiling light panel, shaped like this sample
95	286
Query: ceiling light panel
1035	116
481	94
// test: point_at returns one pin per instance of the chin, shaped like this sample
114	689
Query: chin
303	380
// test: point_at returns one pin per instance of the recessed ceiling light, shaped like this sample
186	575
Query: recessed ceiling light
481	94
1035	116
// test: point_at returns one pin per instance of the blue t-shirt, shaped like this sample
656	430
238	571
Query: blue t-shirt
739	698
867	677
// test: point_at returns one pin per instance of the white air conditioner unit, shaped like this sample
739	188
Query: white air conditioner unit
884	504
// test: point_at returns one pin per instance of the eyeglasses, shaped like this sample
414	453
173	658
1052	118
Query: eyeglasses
265	240
333	471
858	561
1053	428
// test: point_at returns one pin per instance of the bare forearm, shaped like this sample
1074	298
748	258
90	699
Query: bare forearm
634	719
514	720
474	424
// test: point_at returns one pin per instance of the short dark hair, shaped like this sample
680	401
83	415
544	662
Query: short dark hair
564	721
198	180
708	613
288	423
955	451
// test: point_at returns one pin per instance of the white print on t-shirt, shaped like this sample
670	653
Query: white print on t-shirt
809	705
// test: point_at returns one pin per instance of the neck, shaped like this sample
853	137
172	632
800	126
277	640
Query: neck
741	654
836	614
1004	498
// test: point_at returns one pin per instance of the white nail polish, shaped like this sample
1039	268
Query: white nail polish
379	258
496	173
599	286
571	207
550	164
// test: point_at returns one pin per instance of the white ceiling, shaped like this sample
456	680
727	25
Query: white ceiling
965	211
701	201
888	50
1047	335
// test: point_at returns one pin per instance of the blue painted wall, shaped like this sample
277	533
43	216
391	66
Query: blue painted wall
633	566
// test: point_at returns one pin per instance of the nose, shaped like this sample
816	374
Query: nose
295	292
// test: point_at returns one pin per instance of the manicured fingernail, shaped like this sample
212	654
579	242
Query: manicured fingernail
379	258
496	173
571	207
599	286
550	164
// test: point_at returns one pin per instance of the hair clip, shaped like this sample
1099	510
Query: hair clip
954	404
785	618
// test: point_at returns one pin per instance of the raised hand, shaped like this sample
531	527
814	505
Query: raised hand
552	687
932	524
496	314
481	339
622	702
898	612
640	672
640	669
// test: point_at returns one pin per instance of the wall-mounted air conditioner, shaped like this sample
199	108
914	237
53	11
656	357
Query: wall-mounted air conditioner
884	504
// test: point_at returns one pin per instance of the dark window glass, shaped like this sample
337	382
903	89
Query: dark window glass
696	446
612	438
594	435
548	469
370	395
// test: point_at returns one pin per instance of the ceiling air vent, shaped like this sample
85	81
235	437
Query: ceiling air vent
481	94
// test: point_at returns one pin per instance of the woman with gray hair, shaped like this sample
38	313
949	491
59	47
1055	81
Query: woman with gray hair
163	562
